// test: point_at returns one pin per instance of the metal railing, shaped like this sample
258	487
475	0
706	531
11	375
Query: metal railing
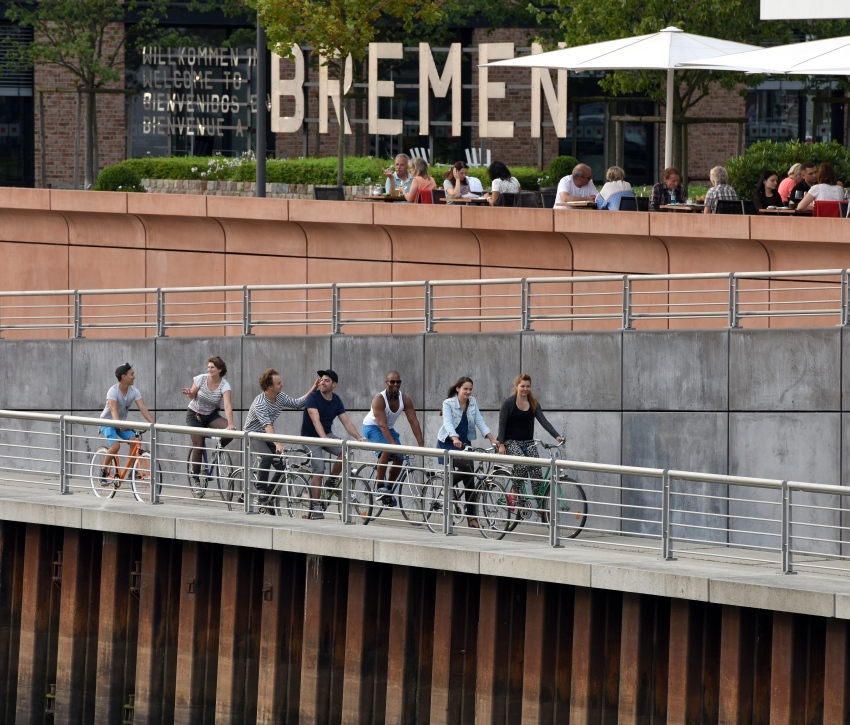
781	523
509	303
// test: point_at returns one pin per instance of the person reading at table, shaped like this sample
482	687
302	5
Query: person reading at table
614	189
767	193
827	188
578	186
662	192
720	189
503	182
398	175
457	183
786	186
809	174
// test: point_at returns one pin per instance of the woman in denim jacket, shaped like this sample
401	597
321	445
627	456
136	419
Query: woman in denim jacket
461	417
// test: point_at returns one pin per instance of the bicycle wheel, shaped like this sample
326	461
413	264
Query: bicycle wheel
141	478
432	505
230	488
494	514
220	466
197	484
411	498
361	499
514	502
572	507
103	487
297	498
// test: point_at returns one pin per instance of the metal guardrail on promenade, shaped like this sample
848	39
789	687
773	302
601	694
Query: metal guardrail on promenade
622	299
780	523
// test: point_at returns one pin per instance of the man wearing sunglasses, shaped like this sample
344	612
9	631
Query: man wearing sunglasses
578	186
379	427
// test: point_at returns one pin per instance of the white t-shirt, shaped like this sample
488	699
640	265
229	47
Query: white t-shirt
827	192
508	187
207	401
612	187
568	186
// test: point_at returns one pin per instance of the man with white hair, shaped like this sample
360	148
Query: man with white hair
399	177
720	190
578	186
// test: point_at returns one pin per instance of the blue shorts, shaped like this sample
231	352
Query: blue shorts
116	435
372	433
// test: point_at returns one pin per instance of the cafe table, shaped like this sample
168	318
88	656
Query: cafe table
785	211
465	200
577	204
378	197
683	208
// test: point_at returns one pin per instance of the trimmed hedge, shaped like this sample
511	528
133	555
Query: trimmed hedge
745	171
119	178
357	170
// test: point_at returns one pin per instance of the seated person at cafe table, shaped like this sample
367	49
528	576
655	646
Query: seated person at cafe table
663	191
809	177
786	186
767	193
720	190
456	182
827	188
578	186
615	188
421	180
398	177
503	182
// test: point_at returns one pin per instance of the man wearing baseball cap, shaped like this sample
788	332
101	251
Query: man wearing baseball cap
321	408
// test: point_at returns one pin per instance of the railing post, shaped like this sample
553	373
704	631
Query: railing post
448	493
845	298
627	302
345	493
554	529
246	311
78	314
246	473
154	466
733	300
526	305
336	325
160	313
429	306
785	524
64	486
666	543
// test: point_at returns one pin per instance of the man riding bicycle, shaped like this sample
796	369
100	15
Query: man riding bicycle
379	427
119	398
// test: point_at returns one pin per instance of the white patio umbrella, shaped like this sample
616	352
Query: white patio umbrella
665	50
830	56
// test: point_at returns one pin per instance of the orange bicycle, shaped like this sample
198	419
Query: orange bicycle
137	467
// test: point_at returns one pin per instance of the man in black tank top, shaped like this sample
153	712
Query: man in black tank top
377	428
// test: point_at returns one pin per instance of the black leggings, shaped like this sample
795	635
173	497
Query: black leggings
463	476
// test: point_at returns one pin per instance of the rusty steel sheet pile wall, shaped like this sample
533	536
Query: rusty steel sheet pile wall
105	627
57	240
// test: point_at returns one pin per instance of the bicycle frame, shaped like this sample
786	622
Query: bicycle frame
135	451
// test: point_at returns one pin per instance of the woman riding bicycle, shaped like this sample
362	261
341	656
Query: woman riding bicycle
461	417
206	396
516	428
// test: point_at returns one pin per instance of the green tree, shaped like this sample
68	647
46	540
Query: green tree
592	21
337	29
87	38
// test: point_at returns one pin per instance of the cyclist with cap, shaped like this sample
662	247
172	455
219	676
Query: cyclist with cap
379	427
321	408
119	399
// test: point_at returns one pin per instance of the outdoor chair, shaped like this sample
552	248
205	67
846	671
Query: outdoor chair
507	198
328	193
425	196
642	203
727	206
749	207
844	208
628	203
528	199
438	196
827	209
548	198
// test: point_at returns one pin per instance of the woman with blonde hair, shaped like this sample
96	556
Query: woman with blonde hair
422	180
786	186
516	428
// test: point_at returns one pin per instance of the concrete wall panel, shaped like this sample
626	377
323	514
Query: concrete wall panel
17	434
417	216
508	250
614	254
330	241
25	225
26	267
777	370
362	362
273	238
179	360
675	370
684	441
574	370
492	361
422	245
791	446
296	359
102	230
94	363
182	233
246	207
36	375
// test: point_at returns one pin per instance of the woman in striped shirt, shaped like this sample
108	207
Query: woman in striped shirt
264	411
206	396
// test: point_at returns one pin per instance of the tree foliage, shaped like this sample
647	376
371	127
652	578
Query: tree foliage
75	35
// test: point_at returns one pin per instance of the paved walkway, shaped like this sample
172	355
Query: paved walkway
610	562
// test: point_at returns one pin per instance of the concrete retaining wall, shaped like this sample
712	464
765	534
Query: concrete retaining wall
769	403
